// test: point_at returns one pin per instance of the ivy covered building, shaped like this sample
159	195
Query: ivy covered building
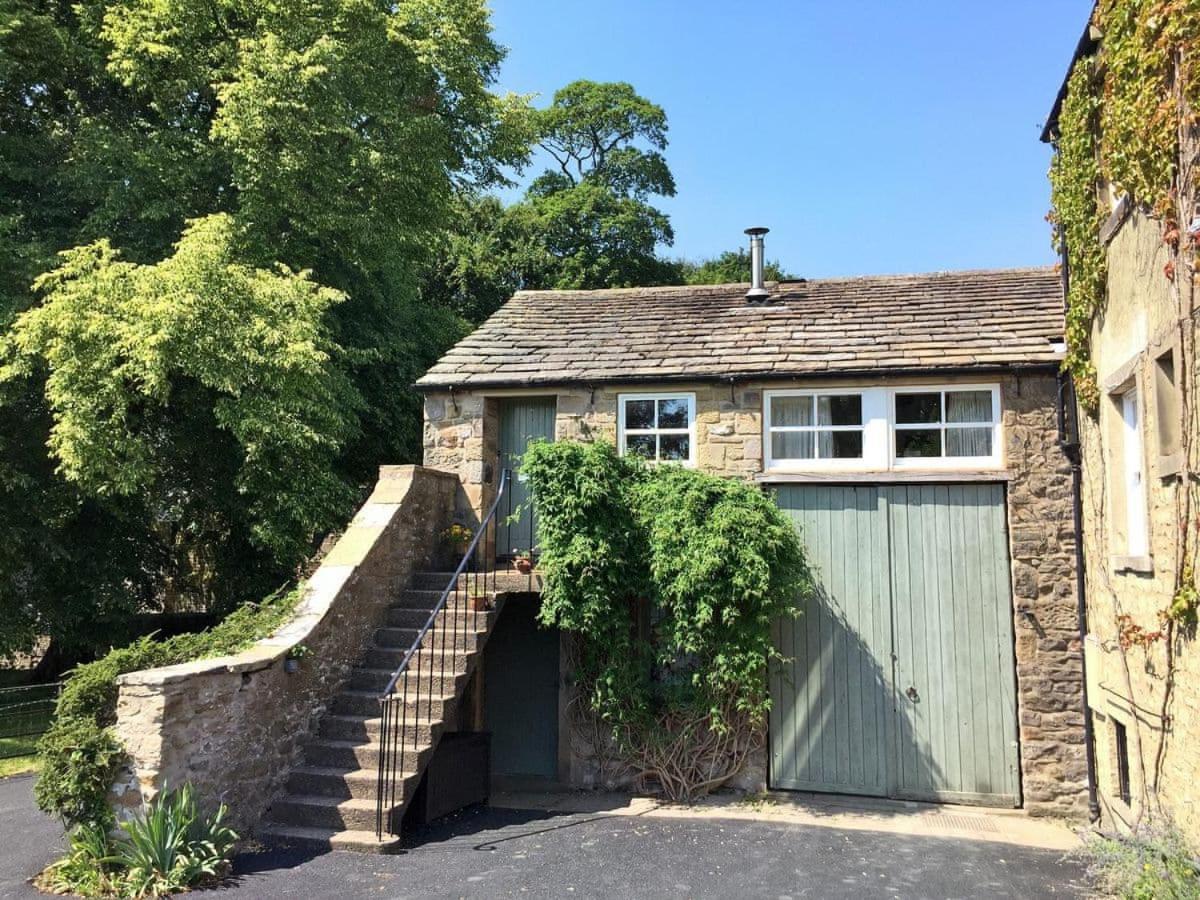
1124	132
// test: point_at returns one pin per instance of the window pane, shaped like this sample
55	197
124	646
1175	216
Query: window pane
968	441
791	410
673	446
673	413
918	442
639	413
968	406
792	445
640	445
913	409
841	444
839	409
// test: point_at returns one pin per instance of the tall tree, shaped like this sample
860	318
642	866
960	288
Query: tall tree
245	193
591	215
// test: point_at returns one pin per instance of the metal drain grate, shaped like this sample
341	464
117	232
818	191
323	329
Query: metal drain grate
978	824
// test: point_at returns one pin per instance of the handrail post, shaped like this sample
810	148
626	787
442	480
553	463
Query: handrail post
466	579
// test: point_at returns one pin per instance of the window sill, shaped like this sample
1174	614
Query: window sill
889	477
1169	466
1137	565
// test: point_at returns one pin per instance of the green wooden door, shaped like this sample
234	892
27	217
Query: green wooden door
520	690
522	420
955	676
900	680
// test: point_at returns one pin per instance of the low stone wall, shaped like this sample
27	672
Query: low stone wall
235	726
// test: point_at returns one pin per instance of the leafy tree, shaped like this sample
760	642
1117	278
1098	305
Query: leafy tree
585	222
591	216
245	193
730	267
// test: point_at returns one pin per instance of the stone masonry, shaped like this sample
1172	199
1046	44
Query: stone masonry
235	726
460	435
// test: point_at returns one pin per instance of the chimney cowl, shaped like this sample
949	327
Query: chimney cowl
758	292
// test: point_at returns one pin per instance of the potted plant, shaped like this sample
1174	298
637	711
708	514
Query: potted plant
481	601
291	663
523	560
458	539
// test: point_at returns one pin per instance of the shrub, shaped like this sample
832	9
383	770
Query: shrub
672	579
79	754
169	848
1151	864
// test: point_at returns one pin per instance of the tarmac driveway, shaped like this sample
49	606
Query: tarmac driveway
496	852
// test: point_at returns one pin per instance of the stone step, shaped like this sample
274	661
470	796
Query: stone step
461	617
351	783
319	811
428	702
433	681
504	580
330	753
436	639
326	839
366	729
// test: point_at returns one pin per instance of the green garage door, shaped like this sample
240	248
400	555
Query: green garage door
900	678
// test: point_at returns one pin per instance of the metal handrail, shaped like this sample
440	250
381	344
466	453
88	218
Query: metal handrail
462	565
392	747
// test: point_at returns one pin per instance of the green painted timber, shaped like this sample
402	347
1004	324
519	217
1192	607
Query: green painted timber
522	420
520	689
900	680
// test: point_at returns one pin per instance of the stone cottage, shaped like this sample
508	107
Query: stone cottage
907	424
1139	522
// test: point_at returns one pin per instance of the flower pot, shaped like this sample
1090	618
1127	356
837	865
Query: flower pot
524	565
291	666
460	550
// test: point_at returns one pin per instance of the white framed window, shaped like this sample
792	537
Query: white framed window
879	429
657	427
1137	528
946	427
822	429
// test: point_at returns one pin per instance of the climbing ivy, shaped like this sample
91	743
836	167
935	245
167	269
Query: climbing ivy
1074	177
671	579
1120	123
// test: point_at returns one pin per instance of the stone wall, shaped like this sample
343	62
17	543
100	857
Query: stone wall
1046	623
235	726
459	437
1139	321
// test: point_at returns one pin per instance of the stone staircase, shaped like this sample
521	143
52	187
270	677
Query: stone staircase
330	800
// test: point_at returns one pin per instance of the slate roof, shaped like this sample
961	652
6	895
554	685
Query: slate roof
876	324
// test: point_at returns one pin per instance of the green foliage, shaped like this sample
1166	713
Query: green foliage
1074	180
1120	122
713	559
217	392
1153	864
79	754
79	759
167	849
586	222
1139	118
730	267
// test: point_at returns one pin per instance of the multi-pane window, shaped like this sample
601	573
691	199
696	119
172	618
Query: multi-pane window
815	426
873	429
944	423
657	426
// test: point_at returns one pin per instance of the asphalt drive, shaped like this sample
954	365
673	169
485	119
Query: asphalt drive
492	852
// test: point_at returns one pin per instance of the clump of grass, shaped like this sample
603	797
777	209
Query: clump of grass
1153	863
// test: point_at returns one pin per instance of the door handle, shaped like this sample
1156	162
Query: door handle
912	694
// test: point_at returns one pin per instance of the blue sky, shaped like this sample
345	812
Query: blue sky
869	136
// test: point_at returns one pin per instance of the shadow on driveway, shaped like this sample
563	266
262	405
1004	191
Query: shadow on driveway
494	852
